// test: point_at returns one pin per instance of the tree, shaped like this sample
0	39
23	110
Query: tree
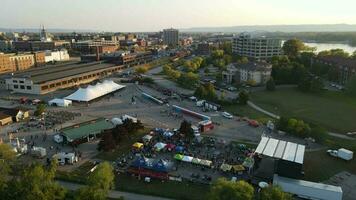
210	92
107	142
353	55
217	54
227	47
270	85
98	184
334	52
41	108
186	129
188	80
141	69
7	157
311	84
274	193
220	63
243	97
242	60
223	189
200	92
351	86
318	133
227	59
37	182
293	47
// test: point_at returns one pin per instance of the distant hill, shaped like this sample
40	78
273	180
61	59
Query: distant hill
278	28
37	30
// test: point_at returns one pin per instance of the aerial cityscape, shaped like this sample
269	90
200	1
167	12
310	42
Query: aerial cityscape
177	99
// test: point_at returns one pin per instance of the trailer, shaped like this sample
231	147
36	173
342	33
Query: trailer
307	189
38	152
190	112
345	154
152	98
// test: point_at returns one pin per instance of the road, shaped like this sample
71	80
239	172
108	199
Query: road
113	193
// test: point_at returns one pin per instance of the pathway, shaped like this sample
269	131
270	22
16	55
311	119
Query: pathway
254	106
113	193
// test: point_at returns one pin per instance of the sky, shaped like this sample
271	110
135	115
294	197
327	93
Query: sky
154	15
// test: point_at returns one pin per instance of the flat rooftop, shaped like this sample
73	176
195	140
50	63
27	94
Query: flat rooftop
49	73
85	129
280	149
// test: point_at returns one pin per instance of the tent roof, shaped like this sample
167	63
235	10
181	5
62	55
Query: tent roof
137	145
187	159
84	129
225	167
160	145
93	92
280	149
62	101
178	156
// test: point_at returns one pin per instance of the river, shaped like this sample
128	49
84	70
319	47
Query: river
328	46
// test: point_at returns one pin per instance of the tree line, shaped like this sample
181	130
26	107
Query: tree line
36	181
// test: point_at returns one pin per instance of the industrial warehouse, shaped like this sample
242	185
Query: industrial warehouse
47	79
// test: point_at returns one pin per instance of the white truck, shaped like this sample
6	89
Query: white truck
38	152
341	153
307	189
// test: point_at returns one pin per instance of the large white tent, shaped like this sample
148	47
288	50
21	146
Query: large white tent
93	92
60	102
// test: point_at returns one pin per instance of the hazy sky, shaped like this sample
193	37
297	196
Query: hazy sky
153	15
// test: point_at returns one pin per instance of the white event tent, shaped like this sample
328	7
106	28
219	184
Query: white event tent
60	102
96	91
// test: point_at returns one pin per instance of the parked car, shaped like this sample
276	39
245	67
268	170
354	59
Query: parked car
227	115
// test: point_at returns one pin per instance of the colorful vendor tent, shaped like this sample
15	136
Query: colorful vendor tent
225	167
187	159
205	163
168	134
248	162
137	145
178	157
179	149
159	146
147	138
196	161
238	168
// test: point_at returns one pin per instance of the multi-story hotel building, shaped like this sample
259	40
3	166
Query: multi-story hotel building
171	37
256	47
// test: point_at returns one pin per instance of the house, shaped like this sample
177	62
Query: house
345	67
17	114
252	73
5	119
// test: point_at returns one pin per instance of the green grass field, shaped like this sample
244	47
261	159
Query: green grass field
168	189
319	166
333	110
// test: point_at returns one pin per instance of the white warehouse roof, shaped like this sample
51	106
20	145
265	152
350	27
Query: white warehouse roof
93	92
280	149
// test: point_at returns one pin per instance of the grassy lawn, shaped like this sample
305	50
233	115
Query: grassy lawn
245	111
319	166
333	110
124	146
168	189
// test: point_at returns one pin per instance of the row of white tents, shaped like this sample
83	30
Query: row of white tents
88	94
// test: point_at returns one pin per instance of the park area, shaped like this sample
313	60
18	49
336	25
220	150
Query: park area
332	110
